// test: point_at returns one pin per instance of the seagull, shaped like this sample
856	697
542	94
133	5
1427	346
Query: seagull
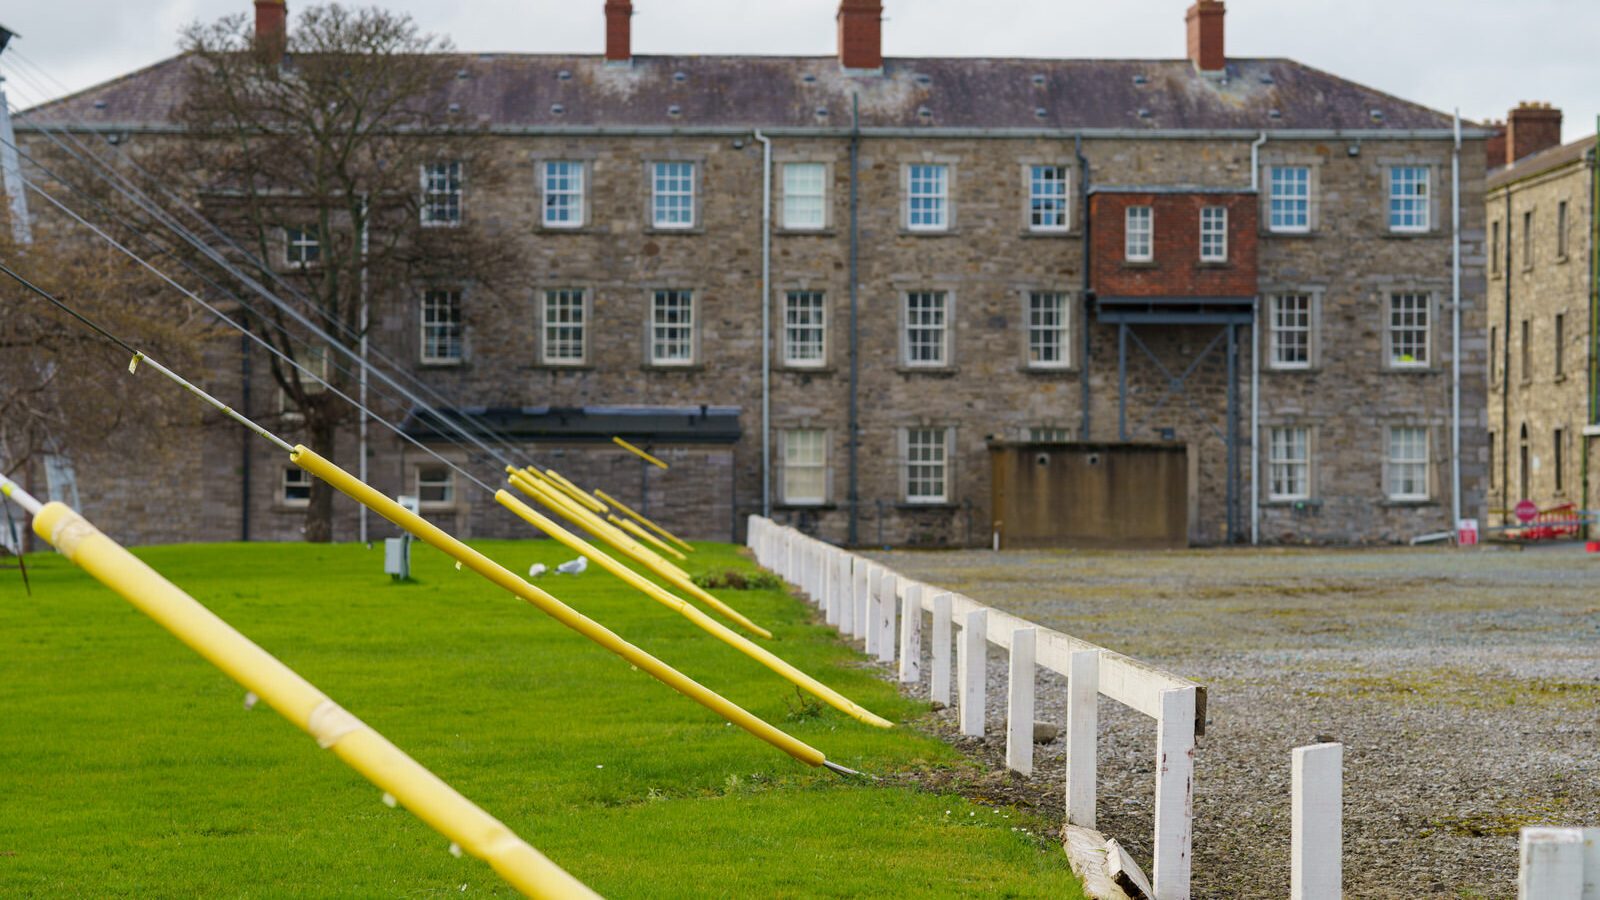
574	567
536	570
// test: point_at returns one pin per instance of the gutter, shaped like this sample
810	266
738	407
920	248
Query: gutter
766	324
1255	370
1088	292
1455	328
853	439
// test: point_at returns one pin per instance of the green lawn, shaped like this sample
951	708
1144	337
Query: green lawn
130	767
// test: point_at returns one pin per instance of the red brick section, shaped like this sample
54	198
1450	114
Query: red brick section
619	31
1176	270
861	34
1205	35
272	27
1533	127
1494	149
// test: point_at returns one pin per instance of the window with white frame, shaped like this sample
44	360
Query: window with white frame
441	327
1408	463
1214	234
927	465
296	488
805	329
1408	198
928	198
672	195
436	486
1408	329
805	466
672	328
1048	198
1289	198
1047	330
805	196
1290	331
441	194
565	329
302	246
563	194
1048	434
927	328
1289	464
1139	243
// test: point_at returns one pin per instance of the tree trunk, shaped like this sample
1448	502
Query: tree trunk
322	432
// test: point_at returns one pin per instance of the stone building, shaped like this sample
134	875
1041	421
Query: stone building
1242	263
1543	417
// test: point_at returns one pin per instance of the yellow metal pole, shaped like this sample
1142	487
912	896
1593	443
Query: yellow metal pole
638	452
571	490
628	526
642	520
600	527
364	494
711	626
630	548
297	700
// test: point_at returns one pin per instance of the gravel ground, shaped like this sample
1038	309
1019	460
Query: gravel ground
1464	685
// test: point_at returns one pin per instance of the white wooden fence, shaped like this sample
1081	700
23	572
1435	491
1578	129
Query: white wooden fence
1560	864
863	599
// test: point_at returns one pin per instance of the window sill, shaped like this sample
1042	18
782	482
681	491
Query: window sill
1293	503
442	363
281	507
1270	369
564	367
805	232
1040	233
1392	235
806	507
929	232
1392	503
1214	264
1048	371
942	505
932	371
1139	264
1268	232
671	367
656	229
568	229
1412	370
804	370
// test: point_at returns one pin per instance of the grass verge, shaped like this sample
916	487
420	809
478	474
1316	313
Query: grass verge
130	766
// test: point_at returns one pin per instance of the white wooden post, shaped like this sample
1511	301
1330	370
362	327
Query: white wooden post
887	603
867	618
1019	701
1083	732
1591	864
1174	793
972	665
1552	864
1316	819
837	590
939	677
911	634
858	597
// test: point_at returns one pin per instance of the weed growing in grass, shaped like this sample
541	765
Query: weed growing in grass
734	580
803	707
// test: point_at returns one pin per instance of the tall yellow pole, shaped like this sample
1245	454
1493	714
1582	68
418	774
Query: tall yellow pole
635	531
711	626
614	535
628	547
364	494
639	453
642	520
297	700
571	490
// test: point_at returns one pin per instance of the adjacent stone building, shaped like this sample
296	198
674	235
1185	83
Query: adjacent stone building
1245	261
1542	342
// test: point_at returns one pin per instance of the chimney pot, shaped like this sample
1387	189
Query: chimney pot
1206	37
1531	128
861	34
619	31
272	29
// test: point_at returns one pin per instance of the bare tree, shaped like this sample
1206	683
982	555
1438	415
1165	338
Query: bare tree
335	163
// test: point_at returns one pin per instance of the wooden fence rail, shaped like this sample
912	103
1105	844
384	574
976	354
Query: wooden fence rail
865	599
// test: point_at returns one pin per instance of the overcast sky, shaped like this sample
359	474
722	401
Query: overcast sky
1482	56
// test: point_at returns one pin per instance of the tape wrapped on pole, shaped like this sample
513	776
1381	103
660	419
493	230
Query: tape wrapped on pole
630	548
437	538
655	592
335	729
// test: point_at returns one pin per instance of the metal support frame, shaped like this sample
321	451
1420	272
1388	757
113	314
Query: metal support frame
1177	386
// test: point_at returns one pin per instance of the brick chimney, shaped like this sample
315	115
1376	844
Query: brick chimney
619	32
1494	148
1205	37
272	28
1532	127
861	34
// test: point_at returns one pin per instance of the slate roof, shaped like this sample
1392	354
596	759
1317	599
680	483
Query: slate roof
1539	163
535	92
